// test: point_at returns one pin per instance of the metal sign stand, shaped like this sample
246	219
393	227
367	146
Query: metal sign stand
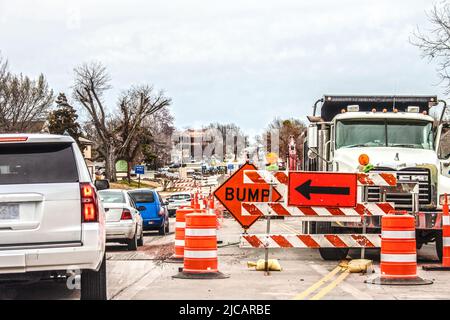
266	253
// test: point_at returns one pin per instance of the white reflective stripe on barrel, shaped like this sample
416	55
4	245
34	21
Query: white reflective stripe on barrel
200	232
446	241
385	234
398	257
446	220
200	254
180	225
179	243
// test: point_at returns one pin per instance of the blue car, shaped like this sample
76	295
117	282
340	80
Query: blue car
155	216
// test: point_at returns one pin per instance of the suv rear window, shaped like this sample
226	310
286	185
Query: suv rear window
143	197
37	163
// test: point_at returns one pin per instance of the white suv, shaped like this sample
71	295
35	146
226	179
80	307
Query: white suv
51	221
177	200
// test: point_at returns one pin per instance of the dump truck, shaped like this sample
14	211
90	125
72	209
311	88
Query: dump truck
394	134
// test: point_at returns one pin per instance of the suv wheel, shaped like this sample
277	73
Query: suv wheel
93	283
133	243
167	226
163	229
140	242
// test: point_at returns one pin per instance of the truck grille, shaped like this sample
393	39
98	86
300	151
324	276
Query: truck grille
404	200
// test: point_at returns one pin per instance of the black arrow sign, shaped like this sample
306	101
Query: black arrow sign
306	190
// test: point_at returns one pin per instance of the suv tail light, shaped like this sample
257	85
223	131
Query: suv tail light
126	215
89	204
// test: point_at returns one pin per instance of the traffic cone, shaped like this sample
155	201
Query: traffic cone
398	261
445	241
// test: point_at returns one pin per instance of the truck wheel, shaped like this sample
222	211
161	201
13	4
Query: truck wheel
439	245
133	243
93	283
330	254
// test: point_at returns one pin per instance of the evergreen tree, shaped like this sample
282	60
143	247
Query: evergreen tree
63	120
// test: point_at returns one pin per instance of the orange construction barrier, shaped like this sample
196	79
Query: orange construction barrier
200	250
398	261
445	240
180	225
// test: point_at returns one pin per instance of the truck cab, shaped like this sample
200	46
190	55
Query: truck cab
399	136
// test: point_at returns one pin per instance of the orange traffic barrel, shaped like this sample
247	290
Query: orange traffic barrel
180	225
398	246
200	248
398	260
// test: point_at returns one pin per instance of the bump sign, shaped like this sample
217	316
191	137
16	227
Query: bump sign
233	192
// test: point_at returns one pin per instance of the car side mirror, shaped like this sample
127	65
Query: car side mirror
141	208
101	184
166	203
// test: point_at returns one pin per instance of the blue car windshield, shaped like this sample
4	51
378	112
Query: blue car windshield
142	197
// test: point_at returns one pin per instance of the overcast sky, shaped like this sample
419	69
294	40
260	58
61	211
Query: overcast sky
228	61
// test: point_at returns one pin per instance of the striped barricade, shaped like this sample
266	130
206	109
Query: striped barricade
317	213
377	179
278	179
313	241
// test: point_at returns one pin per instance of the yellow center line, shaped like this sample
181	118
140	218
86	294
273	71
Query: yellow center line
331	286
318	284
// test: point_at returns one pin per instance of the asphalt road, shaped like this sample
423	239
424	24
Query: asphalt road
145	275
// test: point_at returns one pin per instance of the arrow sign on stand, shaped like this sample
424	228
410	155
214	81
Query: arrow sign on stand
306	189
322	189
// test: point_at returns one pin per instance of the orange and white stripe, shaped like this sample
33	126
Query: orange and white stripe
310	241
280	209
200	250
278	179
398	258
180	226
376	179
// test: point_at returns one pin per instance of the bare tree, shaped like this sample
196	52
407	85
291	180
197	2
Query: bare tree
115	134
284	129
233	139
435	42
24	103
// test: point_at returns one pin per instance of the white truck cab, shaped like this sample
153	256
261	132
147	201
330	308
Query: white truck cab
399	136
51	220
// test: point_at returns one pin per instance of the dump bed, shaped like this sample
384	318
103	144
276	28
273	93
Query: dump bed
332	105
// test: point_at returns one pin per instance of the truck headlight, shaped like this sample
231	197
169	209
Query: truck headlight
442	199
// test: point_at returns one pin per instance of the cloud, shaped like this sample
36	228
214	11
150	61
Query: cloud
235	61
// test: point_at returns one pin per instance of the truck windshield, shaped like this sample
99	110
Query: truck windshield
384	133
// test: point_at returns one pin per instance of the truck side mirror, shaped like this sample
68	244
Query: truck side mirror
312	137
101	184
